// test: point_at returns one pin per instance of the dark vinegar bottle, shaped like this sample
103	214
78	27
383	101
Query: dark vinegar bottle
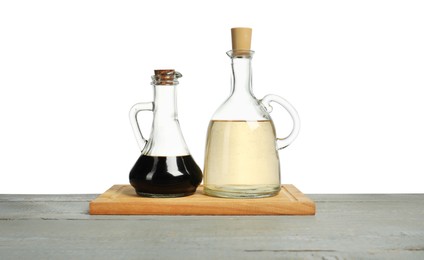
165	167
165	176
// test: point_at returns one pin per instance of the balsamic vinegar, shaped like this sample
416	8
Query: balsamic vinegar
165	176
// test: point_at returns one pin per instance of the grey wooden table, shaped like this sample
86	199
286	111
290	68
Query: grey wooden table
345	227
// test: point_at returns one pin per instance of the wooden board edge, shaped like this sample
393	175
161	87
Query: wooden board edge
128	208
103	205
301	197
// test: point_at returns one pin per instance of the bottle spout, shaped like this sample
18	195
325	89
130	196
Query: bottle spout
166	77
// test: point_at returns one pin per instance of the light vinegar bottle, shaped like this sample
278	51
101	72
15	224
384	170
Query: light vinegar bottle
241	157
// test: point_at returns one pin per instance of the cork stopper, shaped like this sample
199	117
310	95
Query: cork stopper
241	38
166	77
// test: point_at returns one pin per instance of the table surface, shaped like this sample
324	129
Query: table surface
345	227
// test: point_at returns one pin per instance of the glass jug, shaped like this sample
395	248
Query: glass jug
165	167
241	158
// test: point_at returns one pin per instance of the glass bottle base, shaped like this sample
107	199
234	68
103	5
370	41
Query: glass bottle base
153	195
242	191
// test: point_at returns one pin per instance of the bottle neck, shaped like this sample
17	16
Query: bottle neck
165	102
242	103
166	138
241	81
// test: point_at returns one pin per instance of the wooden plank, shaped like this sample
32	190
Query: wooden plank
227	237
345	227
47	197
122	200
315	197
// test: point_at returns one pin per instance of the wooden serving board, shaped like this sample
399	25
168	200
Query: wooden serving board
122	200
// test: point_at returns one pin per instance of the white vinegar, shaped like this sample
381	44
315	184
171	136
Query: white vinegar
241	159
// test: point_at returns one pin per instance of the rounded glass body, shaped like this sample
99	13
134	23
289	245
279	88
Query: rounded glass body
241	157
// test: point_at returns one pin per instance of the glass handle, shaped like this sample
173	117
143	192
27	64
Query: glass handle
283	142
145	106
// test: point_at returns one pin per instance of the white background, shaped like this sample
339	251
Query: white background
70	71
